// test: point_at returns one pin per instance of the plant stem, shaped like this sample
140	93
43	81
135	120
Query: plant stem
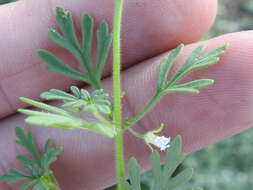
144	111
117	113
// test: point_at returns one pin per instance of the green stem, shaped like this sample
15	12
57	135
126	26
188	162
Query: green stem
143	112
138	135
117	112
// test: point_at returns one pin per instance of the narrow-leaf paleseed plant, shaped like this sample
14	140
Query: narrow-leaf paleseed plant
107	116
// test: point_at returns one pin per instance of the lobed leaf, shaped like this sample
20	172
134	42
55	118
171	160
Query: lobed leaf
182	178
162	176
87	34
166	65
42	106
104	40
65	22
55	94
202	83
27	142
56	65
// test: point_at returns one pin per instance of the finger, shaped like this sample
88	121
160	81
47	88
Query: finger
216	113
24	28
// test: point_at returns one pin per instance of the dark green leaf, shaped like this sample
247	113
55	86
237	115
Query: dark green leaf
65	22
56	65
87	34
166	66
11	178
27	185
26	161
104	39
27	142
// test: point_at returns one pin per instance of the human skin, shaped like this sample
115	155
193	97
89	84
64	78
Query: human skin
149	29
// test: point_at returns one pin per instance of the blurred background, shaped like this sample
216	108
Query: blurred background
227	165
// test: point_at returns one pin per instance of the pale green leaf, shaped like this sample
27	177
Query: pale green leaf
181	90
55	94
43	106
134	174
202	83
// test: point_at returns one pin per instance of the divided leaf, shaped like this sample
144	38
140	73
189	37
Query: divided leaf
163	176
195	61
61	119
87	34
37	166
82	53
104	40
56	65
166	66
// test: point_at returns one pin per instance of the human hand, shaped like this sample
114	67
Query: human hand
218	112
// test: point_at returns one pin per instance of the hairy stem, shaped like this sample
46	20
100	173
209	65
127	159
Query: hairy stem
117	113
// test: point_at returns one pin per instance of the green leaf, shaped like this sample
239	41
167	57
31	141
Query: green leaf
56	65
202	83
37	168
26	161
180	179
166	66
162	176
11	178
40	186
65	22
134	175
87	34
27	185
104	40
181	90
197	61
65	122
27	142
43	106
55	94
186	67
156	168
56	121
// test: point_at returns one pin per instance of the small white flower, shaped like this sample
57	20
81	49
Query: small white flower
162	142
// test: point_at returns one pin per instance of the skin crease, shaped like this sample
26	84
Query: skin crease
216	113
